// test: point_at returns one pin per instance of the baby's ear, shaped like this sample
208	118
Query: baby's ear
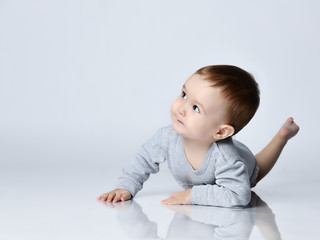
224	131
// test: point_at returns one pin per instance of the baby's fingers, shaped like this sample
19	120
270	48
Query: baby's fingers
121	197
166	201
103	197
117	198
111	196
125	196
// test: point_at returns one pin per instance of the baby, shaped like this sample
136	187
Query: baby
214	169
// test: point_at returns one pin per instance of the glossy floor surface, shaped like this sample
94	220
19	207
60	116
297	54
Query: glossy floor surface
59	202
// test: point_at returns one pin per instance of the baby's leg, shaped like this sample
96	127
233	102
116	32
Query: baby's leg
270	154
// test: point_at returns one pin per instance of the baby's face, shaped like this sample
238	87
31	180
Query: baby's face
199	111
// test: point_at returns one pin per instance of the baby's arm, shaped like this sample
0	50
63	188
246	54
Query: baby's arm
232	187
137	171
115	196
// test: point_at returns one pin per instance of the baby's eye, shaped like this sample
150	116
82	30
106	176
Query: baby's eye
184	95
195	107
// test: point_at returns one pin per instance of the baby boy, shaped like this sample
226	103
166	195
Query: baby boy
216	102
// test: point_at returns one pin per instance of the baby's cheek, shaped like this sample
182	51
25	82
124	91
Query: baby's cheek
173	107
203	132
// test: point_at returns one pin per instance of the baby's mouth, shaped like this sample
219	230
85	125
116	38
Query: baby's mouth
180	122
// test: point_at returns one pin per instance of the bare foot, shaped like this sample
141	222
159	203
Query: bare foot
288	130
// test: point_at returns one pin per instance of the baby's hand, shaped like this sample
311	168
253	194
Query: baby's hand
115	196
179	198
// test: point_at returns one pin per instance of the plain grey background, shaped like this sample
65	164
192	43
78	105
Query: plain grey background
84	83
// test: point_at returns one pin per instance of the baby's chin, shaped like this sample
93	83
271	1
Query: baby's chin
177	128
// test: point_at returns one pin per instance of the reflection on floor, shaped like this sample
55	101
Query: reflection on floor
200	222
57	202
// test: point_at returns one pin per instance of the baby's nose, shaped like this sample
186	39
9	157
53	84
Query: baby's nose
182	110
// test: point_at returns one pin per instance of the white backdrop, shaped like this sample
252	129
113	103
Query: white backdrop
87	82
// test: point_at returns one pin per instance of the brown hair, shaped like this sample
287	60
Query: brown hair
239	88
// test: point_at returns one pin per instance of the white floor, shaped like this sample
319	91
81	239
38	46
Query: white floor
59	202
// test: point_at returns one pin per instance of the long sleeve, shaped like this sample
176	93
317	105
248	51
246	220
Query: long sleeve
147	161
231	188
